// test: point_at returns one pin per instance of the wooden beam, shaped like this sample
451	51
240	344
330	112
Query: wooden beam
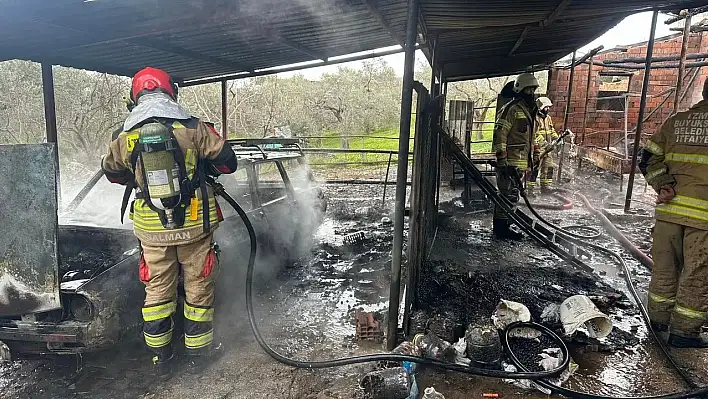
520	40
382	21
556	12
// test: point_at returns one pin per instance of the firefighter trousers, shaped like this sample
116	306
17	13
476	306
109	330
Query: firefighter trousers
678	291
544	173
159	271
509	189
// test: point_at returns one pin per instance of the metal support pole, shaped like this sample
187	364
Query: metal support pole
585	111
626	127
642	106
388	169
402	174
439	148
432	68
50	119
224	120
682	62
50	112
565	118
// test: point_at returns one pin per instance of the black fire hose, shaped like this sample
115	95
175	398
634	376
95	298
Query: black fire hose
642	309
524	374
219	190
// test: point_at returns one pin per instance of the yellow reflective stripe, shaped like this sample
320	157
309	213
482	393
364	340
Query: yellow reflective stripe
687	158
190	161
655	173
690	202
198	314
520	115
198	341
690	313
499	147
660	299
683	211
178	125
654	148
158	312
546	181
158	341
517	162
503	125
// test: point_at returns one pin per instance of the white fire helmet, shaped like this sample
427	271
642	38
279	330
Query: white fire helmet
523	81
542	102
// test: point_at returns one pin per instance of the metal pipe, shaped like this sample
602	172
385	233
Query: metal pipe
50	119
642	108
439	147
224	123
273	71
626	130
682	62
401	175
639	60
565	118
50	112
660	66
584	58
388	169
432	67
587	100
689	13
359	181
585	111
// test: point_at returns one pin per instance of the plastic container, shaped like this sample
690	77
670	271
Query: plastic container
431	393
393	383
579	310
484	346
432	347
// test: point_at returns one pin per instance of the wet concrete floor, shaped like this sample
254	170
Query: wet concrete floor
306	311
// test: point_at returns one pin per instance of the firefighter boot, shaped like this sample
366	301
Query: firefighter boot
199	361
678	341
502	230
163	364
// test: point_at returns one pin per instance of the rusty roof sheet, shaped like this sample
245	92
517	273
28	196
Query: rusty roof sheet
195	39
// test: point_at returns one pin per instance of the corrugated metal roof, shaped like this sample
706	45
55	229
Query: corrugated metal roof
194	39
501	37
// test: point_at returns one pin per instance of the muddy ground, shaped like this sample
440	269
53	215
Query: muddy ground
306	310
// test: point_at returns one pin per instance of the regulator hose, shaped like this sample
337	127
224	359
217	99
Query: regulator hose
633	291
219	190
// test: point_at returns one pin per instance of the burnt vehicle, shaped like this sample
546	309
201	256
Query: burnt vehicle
69	283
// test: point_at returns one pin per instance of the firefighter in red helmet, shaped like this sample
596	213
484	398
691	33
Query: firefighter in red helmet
164	155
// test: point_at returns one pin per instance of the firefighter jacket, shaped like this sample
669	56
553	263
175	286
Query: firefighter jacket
678	156
198	141
513	135
544	131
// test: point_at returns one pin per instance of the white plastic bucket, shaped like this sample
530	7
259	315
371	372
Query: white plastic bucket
579	310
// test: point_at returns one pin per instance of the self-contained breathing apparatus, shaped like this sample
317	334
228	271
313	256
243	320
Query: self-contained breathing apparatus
166	187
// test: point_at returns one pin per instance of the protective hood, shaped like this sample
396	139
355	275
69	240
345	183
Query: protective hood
154	105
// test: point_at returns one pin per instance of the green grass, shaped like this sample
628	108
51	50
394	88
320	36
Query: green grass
384	139
487	133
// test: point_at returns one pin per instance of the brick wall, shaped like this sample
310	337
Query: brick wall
603	125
